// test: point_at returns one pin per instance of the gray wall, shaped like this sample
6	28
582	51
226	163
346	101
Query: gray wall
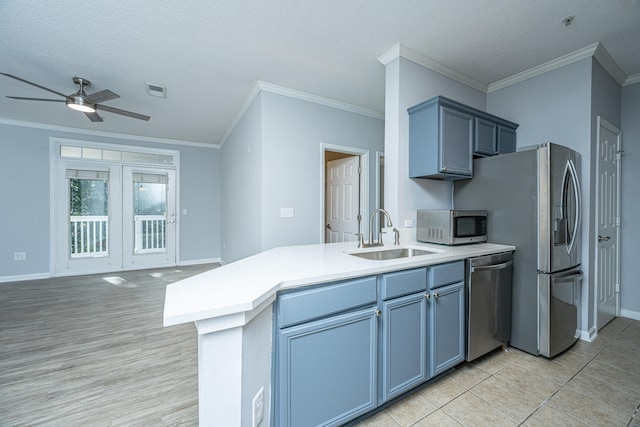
630	241
242	187
284	169
25	213
408	84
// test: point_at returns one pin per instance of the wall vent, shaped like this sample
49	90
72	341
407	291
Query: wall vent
156	90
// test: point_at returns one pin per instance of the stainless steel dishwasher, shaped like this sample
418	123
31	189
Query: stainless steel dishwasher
488	303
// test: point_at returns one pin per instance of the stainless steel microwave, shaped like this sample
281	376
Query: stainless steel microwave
451	227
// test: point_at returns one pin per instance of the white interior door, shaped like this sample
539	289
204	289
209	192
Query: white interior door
608	223
342	202
148	217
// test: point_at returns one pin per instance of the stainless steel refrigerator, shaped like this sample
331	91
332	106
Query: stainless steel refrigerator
532	198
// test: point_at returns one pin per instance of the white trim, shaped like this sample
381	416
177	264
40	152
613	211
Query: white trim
364	182
402	51
24	277
609	64
570	58
630	314
632	80
201	261
589	335
262	86
104	134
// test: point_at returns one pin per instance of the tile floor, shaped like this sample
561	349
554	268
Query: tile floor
591	384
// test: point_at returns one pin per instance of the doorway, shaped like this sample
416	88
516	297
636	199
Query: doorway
110	215
344	192
607	222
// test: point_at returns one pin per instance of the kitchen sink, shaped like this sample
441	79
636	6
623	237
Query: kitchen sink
385	254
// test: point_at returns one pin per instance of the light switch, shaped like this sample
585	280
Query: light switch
184	211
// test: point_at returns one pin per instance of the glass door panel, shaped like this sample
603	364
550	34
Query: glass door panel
88	213
148	217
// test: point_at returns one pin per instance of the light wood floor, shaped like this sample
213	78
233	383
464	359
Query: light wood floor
92	351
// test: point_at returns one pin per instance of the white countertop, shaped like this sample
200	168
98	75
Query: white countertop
244	285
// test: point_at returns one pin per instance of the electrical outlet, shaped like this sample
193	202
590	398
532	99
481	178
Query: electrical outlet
286	212
19	256
258	407
408	223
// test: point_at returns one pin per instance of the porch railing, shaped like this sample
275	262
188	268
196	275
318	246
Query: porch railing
89	236
150	233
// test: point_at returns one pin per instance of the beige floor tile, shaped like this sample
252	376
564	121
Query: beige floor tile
590	349
496	360
511	400
410	410
470	411
604	393
381	419
468	376
548	416
438	418
549	369
573	359
586	409
442	391
527	380
615	327
618	378
625	361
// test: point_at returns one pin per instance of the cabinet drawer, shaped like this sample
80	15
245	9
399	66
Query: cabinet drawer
445	274
403	283
305	305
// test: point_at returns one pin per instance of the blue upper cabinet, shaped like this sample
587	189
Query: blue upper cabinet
445	135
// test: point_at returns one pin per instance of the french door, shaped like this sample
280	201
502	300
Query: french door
112	217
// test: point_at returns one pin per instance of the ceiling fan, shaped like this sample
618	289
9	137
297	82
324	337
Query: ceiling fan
81	101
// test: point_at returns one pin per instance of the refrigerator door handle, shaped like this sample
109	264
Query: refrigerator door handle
570	278
571	176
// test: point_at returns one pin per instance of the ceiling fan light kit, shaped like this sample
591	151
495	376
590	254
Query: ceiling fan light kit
80	101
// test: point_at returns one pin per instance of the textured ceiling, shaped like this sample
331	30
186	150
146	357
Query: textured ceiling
210	54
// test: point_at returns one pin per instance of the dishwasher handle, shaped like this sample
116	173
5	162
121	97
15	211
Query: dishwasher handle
491	267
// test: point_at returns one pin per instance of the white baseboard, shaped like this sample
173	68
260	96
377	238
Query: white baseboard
630	314
24	277
202	261
589	335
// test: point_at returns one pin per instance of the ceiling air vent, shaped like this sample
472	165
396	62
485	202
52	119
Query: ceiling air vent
156	90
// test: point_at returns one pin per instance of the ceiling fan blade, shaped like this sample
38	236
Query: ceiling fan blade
102	96
36	99
34	84
122	112
94	117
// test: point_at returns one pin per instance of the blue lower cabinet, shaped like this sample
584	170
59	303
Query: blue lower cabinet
447	327
404	344
327	370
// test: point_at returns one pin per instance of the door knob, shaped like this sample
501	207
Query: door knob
328	226
604	238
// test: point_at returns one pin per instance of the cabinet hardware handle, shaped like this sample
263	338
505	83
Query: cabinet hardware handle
378	313
427	296
435	294
444	169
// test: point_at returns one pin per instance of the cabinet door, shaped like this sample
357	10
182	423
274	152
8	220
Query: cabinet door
404	344
486	142
327	370
447	327
506	140
456	142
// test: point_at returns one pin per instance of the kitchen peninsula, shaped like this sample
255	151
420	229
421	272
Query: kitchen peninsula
232	308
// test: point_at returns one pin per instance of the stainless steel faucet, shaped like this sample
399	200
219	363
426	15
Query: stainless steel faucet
362	243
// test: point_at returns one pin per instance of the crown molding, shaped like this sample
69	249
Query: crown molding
602	56
262	86
632	80
104	134
570	58
402	51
